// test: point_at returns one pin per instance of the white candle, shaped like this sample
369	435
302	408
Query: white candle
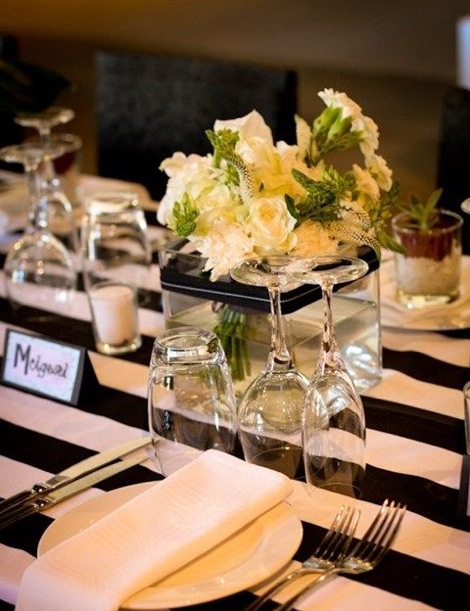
114	313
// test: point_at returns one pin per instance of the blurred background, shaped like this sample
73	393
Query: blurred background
394	58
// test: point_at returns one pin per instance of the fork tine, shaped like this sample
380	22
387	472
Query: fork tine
342	528
380	534
390	533
341	532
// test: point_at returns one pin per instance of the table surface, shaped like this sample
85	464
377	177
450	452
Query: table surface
415	448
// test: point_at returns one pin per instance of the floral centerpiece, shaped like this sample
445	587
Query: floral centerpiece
253	196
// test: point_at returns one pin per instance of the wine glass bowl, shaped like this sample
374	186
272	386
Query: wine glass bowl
270	410
39	269
333	428
44	121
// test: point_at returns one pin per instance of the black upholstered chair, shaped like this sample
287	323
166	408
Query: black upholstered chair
150	106
453	162
10	132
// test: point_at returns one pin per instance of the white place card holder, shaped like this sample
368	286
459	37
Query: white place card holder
46	367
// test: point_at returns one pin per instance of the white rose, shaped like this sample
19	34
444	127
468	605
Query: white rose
270	225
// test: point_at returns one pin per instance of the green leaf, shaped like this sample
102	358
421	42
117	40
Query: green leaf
185	216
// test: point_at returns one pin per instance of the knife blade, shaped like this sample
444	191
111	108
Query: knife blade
49	499
80	469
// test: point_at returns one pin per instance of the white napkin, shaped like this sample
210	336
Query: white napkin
452	315
152	535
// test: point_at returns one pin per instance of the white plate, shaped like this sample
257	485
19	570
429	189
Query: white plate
249	557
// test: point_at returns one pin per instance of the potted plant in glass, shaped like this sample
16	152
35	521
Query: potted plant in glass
428	267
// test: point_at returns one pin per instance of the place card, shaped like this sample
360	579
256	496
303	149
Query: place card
46	367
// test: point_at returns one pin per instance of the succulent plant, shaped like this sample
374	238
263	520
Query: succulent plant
425	215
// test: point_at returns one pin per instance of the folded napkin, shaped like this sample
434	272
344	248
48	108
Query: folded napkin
152	535
452	315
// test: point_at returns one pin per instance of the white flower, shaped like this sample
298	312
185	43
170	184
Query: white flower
223	246
378	167
370	131
270	226
313	239
256	196
365	183
250	126
335	99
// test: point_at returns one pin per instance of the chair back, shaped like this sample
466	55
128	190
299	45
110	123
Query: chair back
453	160
150	106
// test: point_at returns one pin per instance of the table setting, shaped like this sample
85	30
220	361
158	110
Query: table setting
143	492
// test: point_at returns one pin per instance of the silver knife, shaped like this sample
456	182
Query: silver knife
48	499
72	473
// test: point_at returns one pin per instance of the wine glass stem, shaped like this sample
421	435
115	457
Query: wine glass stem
279	355
330	356
33	180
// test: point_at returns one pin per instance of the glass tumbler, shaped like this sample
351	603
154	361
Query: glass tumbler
115	242
191	402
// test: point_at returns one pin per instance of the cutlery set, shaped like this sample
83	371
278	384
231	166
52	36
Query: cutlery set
69	482
338	551
332	555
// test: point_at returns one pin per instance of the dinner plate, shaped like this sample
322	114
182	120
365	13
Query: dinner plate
249	557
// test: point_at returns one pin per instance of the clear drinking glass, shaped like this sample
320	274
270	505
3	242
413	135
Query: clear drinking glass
115	243
333	428
191	402
270	410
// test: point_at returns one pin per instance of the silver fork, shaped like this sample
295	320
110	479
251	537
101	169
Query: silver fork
367	552
333	546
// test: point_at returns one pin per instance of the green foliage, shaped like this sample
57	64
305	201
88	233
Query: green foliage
185	216
424	215
332	132
230	330
323	199
237	173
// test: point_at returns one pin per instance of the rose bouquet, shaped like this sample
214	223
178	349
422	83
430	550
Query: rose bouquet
252	196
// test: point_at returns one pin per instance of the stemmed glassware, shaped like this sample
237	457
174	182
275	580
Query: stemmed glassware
39	270
333	429
61	217
270	411
44	121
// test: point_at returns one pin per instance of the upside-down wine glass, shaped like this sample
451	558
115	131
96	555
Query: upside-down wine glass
61	216
39	270
333	429
270	411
